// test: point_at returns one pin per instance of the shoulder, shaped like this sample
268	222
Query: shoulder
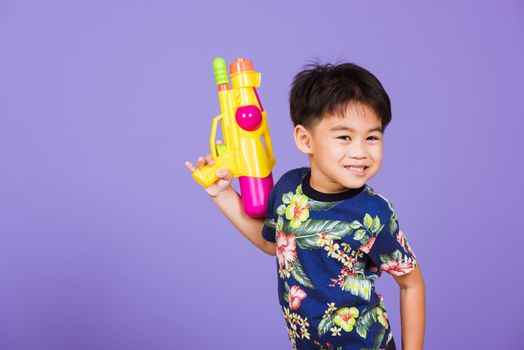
380	208
291	178
379	201
289	181
296	174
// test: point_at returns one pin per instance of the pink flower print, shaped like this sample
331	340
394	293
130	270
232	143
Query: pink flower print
345	273
296	295
286	248
367	247
397	267
401	238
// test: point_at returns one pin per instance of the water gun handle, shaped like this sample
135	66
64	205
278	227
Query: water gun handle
206	176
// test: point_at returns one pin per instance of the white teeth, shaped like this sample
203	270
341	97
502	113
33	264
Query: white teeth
359	169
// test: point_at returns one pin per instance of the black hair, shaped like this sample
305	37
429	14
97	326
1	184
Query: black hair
320	90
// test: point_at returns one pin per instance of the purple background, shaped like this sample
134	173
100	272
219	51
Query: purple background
106	242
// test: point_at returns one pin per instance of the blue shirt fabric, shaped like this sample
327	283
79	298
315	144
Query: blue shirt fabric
330	250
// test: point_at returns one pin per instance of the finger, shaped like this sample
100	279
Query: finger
201	162
209	159
190	166
224	174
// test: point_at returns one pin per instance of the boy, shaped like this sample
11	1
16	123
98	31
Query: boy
331	233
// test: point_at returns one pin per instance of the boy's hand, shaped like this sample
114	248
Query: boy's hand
224	176
230	203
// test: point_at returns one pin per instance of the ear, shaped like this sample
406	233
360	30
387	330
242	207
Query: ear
303	139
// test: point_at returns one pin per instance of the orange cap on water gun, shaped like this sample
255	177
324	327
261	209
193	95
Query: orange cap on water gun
241	65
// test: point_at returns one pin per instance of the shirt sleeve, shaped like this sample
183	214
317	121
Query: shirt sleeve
269	228
390	249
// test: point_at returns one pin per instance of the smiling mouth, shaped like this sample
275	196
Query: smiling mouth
359	169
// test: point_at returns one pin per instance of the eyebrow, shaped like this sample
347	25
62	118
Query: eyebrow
345	128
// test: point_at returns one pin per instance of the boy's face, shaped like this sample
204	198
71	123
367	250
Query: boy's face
345	151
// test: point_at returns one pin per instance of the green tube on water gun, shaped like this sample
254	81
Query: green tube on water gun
220	69
222	80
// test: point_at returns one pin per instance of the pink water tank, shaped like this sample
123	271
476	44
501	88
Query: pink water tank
255	194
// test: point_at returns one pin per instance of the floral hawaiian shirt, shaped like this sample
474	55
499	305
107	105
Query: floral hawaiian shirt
330	250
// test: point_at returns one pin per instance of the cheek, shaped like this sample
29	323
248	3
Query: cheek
378	158
376	153
335	151
327	149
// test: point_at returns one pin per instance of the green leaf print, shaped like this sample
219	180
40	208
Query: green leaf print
376	225
270	223
358	286
397	255
368	221
362	331
286	297
379	338
308	234
359	266
314	205
365	239
359	234
308	243
393	224
366	320
355	225
298	273
281	210
370	191
325	324
286	294
384	258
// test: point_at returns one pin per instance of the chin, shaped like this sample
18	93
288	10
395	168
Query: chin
355	185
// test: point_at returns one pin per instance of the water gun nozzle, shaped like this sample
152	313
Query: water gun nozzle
241	65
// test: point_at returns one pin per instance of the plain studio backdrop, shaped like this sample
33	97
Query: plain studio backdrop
106	242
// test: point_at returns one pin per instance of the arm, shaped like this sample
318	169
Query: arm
412	309
230	203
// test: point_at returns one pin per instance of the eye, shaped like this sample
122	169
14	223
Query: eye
373	138
344	138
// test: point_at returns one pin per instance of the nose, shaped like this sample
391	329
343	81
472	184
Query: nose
357	150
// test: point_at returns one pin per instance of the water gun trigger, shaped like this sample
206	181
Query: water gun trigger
221	149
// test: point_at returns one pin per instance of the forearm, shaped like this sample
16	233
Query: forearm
413	316
230	203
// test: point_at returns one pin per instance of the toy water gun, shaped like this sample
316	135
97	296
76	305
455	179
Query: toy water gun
247	152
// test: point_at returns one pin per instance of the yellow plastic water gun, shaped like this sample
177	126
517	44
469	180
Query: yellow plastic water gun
247	152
